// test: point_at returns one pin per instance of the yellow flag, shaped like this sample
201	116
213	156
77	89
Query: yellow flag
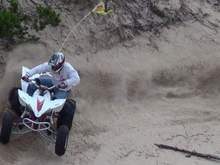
100	9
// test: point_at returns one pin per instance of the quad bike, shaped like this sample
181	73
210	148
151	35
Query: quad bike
39	113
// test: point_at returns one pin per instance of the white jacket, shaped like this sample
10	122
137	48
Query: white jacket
67	74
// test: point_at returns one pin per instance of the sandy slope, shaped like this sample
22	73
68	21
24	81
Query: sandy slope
125	105
121	113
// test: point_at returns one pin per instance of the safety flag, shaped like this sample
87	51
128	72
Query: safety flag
102	8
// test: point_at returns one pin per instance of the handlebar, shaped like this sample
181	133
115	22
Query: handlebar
43	87
37	83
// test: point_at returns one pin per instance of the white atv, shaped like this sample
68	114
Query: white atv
38	113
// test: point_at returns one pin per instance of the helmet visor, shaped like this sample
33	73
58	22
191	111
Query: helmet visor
55	68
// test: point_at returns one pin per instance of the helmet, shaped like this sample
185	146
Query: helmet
56	61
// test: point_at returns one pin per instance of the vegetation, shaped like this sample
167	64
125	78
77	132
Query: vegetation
11	22
46	16
15	24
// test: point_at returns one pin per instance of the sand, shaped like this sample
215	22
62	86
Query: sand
130	97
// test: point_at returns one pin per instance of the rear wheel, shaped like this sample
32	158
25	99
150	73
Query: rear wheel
7	122
61	140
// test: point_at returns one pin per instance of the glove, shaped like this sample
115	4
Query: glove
25	78
62	85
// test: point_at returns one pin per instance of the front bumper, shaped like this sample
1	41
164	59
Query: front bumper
36	125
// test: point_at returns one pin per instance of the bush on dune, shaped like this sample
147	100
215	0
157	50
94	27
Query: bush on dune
15	25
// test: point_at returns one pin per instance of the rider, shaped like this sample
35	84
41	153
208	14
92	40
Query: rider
66	76
61	71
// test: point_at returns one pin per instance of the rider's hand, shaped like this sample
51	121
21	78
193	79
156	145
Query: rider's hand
62	85
25	78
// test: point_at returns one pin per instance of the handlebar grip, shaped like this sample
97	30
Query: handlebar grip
25	78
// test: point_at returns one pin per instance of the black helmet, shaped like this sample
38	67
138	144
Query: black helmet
56	61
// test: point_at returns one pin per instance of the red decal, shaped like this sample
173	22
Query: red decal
39	105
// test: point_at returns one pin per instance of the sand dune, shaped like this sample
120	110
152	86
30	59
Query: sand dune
130	97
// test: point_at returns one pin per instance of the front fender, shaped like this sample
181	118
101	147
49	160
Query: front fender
57	105
24	98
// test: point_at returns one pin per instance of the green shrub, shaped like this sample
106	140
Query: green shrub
46	16
15	25
13	6
11	25
11	22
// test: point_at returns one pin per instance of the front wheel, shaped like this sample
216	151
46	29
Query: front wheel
66	115
14	101
7	123
61	140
